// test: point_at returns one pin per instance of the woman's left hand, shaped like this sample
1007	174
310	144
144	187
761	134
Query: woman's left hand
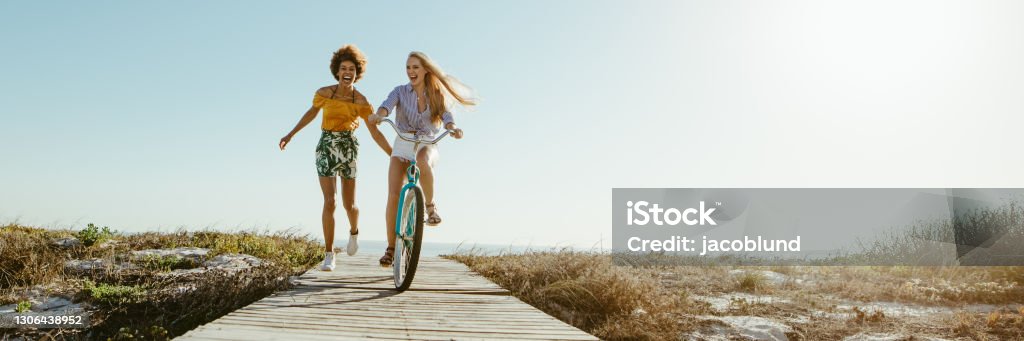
457	133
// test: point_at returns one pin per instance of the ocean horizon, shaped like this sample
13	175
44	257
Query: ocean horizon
443	248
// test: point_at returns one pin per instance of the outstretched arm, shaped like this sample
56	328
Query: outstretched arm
388	105
378	137
306	118
376	118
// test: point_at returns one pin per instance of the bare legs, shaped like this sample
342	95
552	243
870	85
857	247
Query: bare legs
327	186
423	161
396	179
348	200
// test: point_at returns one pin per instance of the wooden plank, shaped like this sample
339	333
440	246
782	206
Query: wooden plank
263	332
379	314
358	301
339	319
397	327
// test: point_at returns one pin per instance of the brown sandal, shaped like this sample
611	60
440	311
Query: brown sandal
388	258
433	219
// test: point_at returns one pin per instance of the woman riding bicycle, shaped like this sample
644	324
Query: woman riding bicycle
423	107
338	149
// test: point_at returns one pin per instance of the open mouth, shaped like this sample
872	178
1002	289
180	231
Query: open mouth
413	77
347	78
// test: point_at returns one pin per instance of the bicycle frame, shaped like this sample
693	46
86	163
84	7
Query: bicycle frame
412	173
409	238
412	180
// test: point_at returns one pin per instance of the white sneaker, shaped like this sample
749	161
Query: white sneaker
353	245
328	264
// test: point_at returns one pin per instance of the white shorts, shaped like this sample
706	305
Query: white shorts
402	149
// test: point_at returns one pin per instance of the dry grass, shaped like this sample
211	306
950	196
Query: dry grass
587	291
661	301
26	258
999	229
751	282
925	285
285	247
142	303
814	289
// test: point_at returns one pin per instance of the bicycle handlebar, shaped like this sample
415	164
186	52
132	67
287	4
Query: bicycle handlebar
434	141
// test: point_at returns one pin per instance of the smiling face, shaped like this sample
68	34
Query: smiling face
415	70
347	73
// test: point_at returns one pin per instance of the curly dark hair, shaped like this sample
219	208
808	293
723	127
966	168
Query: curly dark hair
350	53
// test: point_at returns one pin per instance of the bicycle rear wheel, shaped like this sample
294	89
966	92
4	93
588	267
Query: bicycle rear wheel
409	238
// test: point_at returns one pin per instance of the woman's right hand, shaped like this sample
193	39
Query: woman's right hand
284	141
374	119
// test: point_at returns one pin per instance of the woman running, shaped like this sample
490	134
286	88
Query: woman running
337	152
422	107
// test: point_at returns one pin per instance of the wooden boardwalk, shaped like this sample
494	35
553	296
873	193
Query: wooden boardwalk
447	301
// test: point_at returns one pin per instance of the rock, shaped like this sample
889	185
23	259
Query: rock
888	337
225	262
699	336
195	254
49	303
42	304
108	243
754	327
185	288
233	261
758	328
96	264
68	242
722	303
892	309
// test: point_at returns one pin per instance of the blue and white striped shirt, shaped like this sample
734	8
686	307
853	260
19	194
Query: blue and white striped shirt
403	101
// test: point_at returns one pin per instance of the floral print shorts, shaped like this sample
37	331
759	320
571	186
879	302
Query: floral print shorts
336	154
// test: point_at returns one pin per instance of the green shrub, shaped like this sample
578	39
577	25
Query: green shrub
23	306
167	263
114	293
93	234
144	304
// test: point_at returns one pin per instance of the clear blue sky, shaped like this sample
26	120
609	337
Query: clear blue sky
147	116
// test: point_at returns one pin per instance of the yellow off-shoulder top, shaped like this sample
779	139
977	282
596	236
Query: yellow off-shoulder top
341	115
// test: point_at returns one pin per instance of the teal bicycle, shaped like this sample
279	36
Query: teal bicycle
409	219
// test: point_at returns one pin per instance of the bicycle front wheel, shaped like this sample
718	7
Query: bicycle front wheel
408	238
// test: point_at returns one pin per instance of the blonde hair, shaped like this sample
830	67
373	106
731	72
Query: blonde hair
436	81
